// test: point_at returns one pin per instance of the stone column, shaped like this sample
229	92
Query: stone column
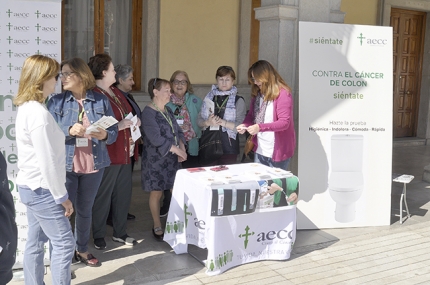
279	21
150	41
278	37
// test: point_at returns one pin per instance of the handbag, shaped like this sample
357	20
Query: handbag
210	147
249	145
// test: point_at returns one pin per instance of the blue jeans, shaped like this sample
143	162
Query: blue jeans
46	221
82	189
269	162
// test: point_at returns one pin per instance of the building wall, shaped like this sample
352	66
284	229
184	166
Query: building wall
363	12
198	36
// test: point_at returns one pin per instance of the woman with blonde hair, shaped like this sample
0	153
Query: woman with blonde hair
42	173
270	116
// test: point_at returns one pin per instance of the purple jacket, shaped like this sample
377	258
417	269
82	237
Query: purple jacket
283	126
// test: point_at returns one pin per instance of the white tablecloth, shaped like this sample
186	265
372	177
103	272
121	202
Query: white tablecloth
231	214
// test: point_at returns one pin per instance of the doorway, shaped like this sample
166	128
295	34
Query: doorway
408	44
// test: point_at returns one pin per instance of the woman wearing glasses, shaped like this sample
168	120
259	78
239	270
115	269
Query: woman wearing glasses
229	112
270	116
86	154
42	174
186	107
163	148
116	185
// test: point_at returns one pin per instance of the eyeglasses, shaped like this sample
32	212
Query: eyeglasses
64	74
182	82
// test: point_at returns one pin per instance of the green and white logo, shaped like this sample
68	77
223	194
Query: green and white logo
246	235
186	214
361	38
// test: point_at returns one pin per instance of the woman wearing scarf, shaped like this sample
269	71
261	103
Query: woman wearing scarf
186	107
270	116
229	112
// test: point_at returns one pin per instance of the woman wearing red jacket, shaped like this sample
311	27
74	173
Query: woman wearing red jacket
116	184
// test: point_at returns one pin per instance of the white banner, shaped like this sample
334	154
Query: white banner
26	28
345	125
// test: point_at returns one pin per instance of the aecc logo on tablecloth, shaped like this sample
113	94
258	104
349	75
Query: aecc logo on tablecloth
266	238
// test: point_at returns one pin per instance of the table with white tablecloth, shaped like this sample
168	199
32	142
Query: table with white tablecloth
233	215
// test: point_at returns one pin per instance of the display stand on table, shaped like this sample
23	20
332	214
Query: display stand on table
233	214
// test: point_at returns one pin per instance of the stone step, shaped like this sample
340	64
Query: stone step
412	141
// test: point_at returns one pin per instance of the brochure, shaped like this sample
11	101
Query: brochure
135	130
104	123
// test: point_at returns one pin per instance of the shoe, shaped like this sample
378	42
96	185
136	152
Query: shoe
163	213
99	243
73	275
109	223
125	239
158	237
89	261
130	216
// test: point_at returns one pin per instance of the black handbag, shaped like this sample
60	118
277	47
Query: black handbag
210	147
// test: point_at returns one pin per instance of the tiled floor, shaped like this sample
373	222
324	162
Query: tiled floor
373	255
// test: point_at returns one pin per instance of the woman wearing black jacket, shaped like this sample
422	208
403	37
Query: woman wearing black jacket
8	230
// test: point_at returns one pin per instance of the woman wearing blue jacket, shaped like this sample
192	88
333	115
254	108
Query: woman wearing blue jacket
86	154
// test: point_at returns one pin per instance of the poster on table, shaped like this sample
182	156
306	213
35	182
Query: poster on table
345	125
26	28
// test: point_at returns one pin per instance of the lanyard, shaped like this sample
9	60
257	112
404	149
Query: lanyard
222	105
169	121
119	103
81	115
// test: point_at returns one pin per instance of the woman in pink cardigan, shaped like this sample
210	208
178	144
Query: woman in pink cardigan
270	116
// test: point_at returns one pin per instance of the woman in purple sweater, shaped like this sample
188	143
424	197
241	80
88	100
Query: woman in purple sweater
270	117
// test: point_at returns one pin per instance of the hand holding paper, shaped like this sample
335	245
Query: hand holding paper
104	123
134	127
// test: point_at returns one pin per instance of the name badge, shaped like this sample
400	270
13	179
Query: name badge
81	142
180	121
214	128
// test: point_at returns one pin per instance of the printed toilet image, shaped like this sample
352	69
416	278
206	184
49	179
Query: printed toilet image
346	181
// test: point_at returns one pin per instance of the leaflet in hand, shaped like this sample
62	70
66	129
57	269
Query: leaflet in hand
135	130
104	123
210	106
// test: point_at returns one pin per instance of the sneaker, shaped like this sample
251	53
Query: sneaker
125	239
99	243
